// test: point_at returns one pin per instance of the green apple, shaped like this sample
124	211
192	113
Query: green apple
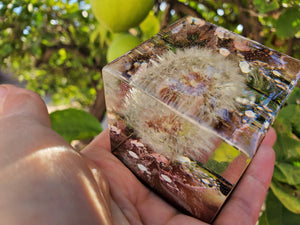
120	15
120	45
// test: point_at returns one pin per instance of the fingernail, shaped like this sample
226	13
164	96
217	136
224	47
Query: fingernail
3	93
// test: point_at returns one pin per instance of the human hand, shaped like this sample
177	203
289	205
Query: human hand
44	181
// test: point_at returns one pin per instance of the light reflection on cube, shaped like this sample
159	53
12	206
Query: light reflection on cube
188	109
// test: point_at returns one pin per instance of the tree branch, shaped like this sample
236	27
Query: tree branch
290	47
98	108
166	17
183	9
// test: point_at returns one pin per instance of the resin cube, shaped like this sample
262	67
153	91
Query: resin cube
188	108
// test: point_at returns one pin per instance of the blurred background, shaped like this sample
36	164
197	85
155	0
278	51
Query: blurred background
58	48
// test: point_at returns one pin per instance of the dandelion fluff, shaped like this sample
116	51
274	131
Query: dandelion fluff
196	82
165	131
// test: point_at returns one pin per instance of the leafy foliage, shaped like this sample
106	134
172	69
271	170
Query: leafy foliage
288	23
47	44
277	214
73	124
266	6
285	184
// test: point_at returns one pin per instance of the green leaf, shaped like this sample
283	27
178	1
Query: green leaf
287	148
296	129
287	126
62	56
74	124
100	33
273	212
6	49
221	157
264	6
225	153
288	196
294	97
276	214
150	26
290	172
263	219
278	175
288	23
216	166
289	115
296	163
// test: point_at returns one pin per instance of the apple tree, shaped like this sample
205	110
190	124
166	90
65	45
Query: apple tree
59	47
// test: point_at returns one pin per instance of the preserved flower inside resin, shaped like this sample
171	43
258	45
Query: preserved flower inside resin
165	131
199	84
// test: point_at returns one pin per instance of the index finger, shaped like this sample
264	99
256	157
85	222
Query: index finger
245	203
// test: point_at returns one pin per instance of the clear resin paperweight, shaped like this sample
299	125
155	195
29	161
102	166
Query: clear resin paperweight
188	108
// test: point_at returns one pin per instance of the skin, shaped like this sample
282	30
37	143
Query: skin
44	181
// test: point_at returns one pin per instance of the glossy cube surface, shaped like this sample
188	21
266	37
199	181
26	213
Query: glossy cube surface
188	108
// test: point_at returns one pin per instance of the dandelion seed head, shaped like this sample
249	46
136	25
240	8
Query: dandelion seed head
163	130
198	82
195	82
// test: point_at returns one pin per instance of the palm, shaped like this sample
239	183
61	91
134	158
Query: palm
141	206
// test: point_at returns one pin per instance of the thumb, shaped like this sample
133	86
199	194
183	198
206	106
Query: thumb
24	124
